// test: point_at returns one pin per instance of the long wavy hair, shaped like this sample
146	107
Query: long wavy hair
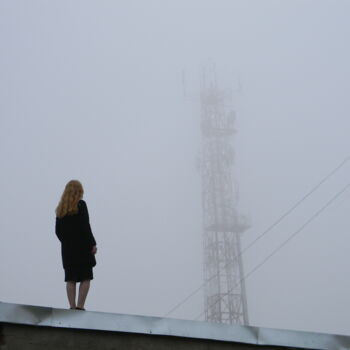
68	204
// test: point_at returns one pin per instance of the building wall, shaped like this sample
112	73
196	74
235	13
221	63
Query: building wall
22	337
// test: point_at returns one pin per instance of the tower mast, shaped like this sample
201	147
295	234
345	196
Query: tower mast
224	294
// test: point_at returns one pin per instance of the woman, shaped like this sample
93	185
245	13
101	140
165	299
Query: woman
78	245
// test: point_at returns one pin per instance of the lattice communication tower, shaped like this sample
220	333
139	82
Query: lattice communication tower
224	293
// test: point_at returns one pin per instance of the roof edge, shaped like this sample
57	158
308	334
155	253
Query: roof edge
62	318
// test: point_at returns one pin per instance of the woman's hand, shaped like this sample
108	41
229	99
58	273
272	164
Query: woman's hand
94	250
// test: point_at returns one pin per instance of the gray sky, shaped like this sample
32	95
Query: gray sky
91	90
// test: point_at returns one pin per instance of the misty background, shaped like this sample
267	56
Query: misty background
93	90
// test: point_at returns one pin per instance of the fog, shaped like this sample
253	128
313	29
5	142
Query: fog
93	90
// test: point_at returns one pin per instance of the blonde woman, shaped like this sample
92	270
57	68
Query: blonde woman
78	245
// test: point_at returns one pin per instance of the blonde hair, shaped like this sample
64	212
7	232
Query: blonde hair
71	195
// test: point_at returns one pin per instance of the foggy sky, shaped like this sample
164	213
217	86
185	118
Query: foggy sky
93	91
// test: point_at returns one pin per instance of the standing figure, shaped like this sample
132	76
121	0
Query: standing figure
78	245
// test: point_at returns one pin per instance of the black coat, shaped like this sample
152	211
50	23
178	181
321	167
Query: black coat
76	238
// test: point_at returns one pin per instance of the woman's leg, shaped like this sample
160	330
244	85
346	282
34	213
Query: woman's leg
83	291
71	294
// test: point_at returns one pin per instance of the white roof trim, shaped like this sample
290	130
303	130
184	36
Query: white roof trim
46	316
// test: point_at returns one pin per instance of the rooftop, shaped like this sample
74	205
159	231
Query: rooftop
100	321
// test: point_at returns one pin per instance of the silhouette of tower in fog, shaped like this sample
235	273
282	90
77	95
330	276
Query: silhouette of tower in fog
224	292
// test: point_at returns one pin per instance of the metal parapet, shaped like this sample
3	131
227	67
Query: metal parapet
34	327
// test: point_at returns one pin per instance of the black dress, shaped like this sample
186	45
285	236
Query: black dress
77	241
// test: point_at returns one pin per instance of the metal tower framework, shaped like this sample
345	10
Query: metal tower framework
224	292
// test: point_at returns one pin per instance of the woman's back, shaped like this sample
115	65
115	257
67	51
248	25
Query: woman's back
75	234
72	225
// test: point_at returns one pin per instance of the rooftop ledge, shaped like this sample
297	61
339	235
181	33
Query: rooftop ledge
158	326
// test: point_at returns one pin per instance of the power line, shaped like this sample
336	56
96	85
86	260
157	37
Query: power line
313	217
265	232
297	203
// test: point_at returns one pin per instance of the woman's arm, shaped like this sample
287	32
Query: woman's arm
57	229
87	226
